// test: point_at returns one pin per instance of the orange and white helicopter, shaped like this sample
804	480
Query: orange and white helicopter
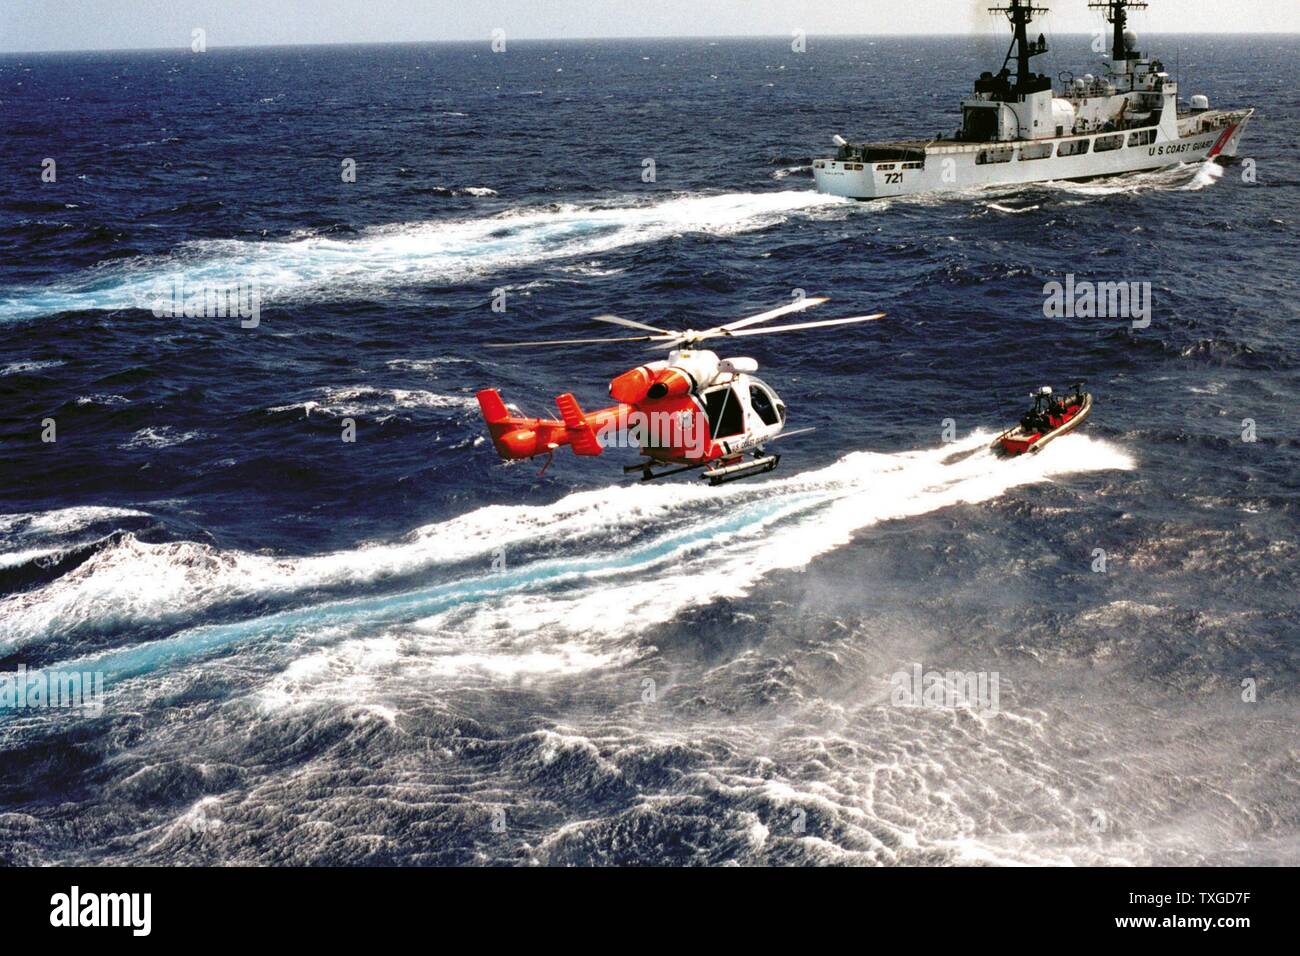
693	410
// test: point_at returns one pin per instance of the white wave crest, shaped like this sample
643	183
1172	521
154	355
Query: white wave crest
62	520
18	368
163	436
359	400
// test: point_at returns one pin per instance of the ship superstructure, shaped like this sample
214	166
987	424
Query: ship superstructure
1017	127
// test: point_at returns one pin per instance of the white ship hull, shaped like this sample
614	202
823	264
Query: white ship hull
946	165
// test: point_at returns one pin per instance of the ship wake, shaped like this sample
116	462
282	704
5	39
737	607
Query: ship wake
407	255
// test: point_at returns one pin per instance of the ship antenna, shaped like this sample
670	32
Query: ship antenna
1117	13
1021	13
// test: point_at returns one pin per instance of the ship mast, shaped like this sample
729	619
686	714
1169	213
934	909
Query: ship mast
1117	13
1021	13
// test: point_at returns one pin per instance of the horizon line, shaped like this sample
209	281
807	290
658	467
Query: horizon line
486	40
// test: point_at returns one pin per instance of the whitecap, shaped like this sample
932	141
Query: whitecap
162	436
17	368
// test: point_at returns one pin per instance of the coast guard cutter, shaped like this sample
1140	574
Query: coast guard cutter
1017	129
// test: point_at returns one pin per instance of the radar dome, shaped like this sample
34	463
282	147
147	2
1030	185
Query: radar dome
1200	102
1130	40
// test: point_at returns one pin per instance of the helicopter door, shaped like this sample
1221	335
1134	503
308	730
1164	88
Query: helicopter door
725	414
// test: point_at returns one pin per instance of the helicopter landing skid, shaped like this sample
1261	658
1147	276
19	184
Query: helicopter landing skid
717	475
648	472
758	466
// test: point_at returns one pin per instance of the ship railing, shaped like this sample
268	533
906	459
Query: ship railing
1087	91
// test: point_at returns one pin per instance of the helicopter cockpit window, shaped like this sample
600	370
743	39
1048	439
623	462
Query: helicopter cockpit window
763	406
726	417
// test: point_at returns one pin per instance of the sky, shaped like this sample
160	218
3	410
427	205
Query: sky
36	25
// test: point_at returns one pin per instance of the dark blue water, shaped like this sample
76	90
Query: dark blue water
399	649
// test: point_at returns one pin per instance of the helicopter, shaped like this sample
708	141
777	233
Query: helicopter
693	410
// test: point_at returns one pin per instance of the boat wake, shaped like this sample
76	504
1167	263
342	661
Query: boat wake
1000	198
410	254
1207	174
571	585
1185	176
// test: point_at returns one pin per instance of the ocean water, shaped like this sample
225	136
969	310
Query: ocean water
401	650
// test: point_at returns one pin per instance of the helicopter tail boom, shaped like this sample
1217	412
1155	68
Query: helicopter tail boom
516	436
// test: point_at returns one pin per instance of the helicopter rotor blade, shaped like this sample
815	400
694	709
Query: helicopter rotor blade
673	339
799	306
630	323
810	325
616	338
731	327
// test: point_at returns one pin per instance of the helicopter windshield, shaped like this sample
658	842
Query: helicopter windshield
760	399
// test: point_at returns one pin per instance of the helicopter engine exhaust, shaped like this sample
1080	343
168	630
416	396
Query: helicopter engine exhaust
670	384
